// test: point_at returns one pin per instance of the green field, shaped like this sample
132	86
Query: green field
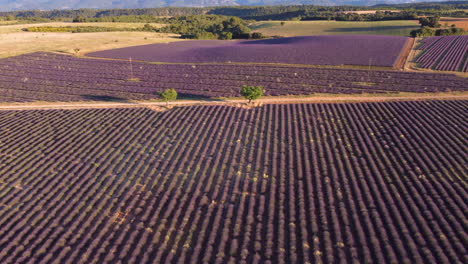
303	28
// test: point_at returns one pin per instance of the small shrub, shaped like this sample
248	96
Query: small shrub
257	35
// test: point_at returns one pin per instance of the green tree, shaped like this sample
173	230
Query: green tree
225	35
168	95
251	92
79	19
257	35
423	32
432	22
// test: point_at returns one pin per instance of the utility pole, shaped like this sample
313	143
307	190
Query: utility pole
131	69
368	72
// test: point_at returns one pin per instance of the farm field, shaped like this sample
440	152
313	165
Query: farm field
296	183
448	53
14	41
305	28
311	50
458	21
55	77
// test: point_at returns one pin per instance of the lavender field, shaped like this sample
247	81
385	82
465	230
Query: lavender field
314	50
448	53
278	184
54	77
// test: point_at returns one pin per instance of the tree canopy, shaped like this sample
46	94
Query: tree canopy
432	22
168	95
430	26
209	27
251	92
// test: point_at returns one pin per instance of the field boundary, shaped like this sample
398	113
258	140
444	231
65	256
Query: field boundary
405	53
236	102
319	66
409	64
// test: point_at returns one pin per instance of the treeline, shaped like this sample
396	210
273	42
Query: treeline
97	13
124	19
85	29
430	26
192	27
302	12
26	19
447	9
378	16
447	5
209	27
429	32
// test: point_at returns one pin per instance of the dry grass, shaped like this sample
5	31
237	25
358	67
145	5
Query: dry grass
459	22
14	41
4	22
11	28
18	43
362	12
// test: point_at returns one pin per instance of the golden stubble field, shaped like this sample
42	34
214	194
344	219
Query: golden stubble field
14	41
458	21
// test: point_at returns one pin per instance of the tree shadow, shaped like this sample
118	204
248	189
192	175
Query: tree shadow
280	41
190	96
104	98
180	96
366	29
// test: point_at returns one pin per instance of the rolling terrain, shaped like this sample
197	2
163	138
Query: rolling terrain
7	5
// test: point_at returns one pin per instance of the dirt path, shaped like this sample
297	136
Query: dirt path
412	54
404	55
234	102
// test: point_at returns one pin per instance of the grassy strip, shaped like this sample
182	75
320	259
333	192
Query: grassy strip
81	29
363	95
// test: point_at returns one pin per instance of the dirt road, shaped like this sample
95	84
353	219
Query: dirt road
233	102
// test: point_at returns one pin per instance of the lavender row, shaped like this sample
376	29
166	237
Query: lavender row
53	77
203	75
69	63
448	53
312	50
297	183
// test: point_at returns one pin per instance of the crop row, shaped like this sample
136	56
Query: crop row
448	53
311	50
53	77
305	183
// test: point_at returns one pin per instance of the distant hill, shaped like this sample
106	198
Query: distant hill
10	5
